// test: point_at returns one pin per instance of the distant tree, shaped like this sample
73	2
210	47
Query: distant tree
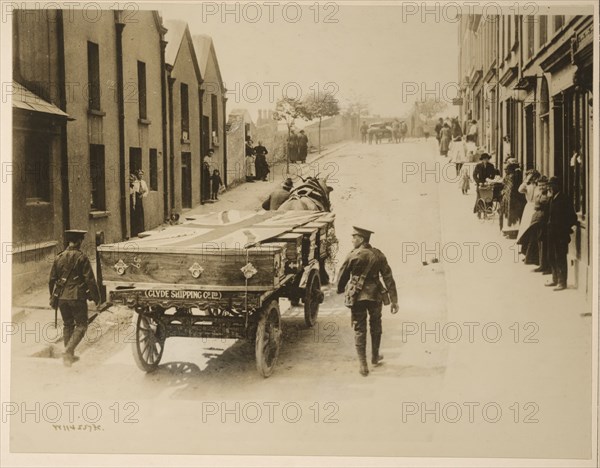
430	107
288	110
318	105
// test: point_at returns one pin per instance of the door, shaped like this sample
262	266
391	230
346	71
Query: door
135	160
529	138
186	180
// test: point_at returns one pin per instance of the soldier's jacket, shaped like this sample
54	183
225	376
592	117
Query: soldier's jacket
357	264
81	284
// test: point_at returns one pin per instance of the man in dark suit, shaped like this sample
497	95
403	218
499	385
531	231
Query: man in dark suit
359	279
561	218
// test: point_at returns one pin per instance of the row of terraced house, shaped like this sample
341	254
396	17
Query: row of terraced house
530	77
94	100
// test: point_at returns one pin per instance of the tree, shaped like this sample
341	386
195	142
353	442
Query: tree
319	105
288	110
430	107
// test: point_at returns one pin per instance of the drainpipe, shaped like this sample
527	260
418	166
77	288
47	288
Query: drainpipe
171	81
165	148
119	26
224	139
64	155
203	150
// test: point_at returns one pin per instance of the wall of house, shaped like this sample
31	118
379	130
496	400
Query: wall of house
184	72
92	127
213	86
141	41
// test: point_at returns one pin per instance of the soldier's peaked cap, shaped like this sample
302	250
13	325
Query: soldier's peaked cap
364	233
74	234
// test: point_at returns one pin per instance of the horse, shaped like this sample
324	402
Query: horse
311	195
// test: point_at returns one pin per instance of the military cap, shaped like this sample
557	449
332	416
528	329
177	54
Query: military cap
364	233
74	234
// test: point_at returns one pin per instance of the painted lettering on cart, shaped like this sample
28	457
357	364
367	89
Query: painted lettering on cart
182	294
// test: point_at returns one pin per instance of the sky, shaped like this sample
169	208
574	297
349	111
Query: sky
384	55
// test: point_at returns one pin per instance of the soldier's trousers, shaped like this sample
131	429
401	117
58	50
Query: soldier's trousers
75	322
359	321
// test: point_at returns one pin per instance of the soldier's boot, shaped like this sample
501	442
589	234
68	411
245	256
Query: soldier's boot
67	333
362	359
69	355
376	358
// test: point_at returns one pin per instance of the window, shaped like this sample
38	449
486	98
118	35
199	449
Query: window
153	169
98	201
141	69
559	21
185	113
543	32
93	76
214	112
530	21
37	168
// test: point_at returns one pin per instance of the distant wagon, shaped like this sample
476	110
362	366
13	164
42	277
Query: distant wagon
220	275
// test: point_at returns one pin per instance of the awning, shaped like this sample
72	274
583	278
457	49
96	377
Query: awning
24	99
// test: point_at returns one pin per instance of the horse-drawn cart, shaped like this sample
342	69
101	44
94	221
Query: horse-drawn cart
220	275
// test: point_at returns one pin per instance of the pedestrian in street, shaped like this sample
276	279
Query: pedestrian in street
457	153
455	127
72	274
364	128
527	235
250	161
278	196
292	145
465	180
404	131
473	132
215	184
365	294
396	131
303	146
513	202
483	171
372	131
445	138
139	190
207	166
260	163
438	129
539	223
506	150
561	218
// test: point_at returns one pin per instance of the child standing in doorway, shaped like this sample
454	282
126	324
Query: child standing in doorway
216	183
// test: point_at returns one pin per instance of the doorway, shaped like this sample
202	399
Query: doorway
186	180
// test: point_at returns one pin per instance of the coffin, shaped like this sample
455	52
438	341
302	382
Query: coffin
229	250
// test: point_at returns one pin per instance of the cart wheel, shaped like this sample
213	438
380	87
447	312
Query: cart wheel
149	343
313	298
268	339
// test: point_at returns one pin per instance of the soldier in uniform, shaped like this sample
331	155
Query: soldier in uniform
360	280
72	267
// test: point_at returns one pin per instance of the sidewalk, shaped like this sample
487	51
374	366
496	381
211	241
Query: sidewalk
31	312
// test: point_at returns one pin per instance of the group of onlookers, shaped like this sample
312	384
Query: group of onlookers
257	167
396	132
535	212
297	146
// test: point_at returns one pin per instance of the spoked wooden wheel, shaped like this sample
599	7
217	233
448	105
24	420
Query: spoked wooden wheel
149	343
312	298
268	339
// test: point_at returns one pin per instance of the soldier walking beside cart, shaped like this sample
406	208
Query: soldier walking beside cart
71	284
365	294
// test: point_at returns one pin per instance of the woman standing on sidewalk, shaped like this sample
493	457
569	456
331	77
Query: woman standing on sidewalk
526	236
445	137
457	152
513	202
